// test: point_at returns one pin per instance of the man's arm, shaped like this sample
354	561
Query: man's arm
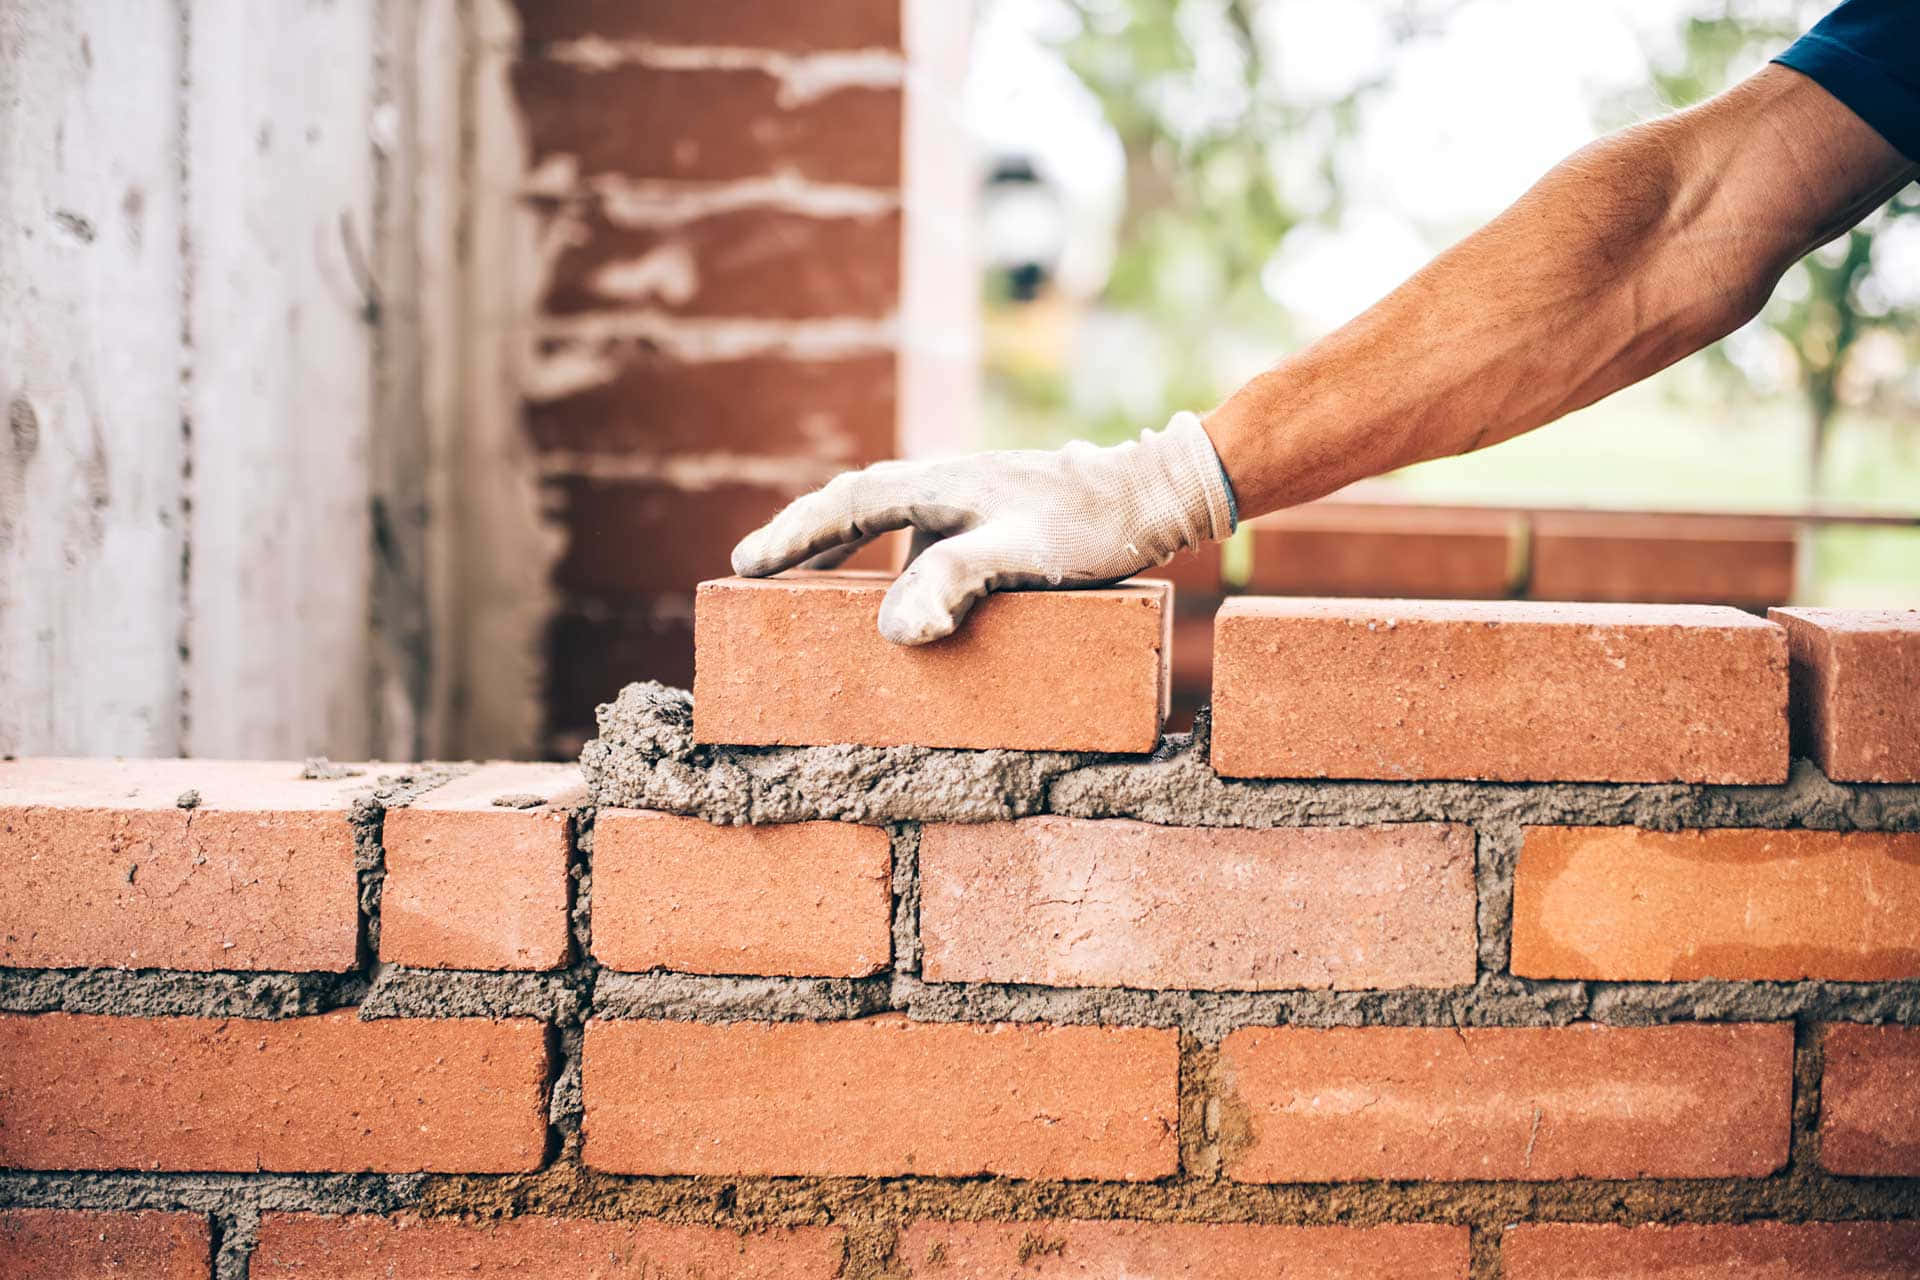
1637	250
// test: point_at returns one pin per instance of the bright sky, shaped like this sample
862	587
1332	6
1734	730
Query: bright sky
1472	116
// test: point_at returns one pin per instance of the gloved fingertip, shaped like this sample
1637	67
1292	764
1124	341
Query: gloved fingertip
749	560
912	619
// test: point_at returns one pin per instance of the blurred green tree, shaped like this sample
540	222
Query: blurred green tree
1830	301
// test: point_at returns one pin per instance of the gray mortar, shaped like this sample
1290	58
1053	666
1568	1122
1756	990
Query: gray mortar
645	757
560	997
693	997
154	993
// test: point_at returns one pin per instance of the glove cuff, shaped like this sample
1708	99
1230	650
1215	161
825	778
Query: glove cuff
1205	498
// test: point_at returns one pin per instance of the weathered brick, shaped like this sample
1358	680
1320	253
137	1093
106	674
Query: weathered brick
312	1247
1511	691
653	536
71	1244
1662	559
327	1093
757	262
646	403
881	1097
751	24
1071	902
100	866
804	899
1623	904
596	647
1856	690
1521	1103
1717	1251
1055	1250
472	884
1870	1101
705	124
1363	549
798	659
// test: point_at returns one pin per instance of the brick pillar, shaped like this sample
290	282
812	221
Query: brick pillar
748	285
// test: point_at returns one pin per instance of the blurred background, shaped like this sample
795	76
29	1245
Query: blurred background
381	376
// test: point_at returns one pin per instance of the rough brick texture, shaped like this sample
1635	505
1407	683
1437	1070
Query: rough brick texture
797	659
100	866
1856	690
1662	559
473	884
790	28
1533	1103
1512	691
320	1093
807	899
1071	902
1623	904
1870	1101
1056	1250
881	1097
1747	1251
706	124
61	1244
305	1246
1356	549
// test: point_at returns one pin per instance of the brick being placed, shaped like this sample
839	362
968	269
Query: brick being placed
797	659
1856	690
1510	691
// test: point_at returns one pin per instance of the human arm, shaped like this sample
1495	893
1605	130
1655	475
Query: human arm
1636	250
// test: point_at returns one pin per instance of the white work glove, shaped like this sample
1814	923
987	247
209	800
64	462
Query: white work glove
1081	516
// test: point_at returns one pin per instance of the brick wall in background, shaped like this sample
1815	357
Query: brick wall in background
750	282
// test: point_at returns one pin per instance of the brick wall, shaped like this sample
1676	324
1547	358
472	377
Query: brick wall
754	227
1295	994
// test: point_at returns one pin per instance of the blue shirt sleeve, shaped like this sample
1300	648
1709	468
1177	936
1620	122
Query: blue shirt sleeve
1867	54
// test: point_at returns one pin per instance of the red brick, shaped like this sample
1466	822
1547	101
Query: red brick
99	866
1870	1101
328	1093
757	262
751	24
474	885
1720	1251
1856	690
881	1097
305	1246
71	1244
1625	905
634	536
798	659
1354	549
1073	902
839	411
1520	1103
595	648
707	125
1055	1250
1662	558
1513	692
804	899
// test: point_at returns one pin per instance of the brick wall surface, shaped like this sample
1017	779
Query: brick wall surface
743	286
702	1006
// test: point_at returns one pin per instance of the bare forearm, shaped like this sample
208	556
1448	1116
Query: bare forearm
1634	252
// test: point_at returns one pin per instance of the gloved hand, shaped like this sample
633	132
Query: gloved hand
1081	516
